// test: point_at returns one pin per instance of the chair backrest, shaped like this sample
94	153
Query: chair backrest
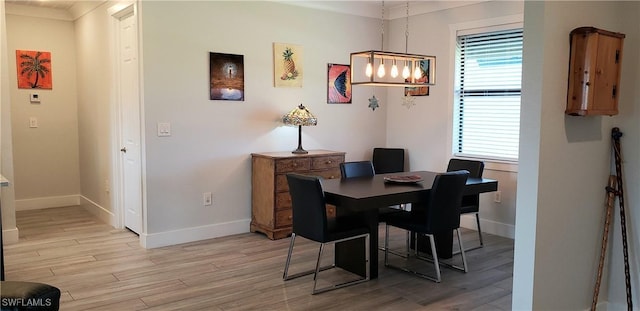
443	212
388	160
308	204
356	169
474	167
470	203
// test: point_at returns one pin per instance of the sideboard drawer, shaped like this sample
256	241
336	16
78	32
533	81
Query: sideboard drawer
293	165
328	174
320	163
283	200
284	218
281	183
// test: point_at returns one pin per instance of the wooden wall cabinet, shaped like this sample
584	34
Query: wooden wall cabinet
594	72
270	201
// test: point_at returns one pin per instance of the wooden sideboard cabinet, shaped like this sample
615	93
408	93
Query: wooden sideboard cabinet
271	211
594	72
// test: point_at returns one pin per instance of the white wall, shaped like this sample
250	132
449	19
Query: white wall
96	98
211	141
567	159
46	157
426	128
9	230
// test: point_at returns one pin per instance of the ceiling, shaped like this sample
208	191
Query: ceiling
392	8
51	4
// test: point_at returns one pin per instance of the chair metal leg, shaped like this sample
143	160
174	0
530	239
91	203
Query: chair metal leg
422	275
285	275
464	257
434	259
481	245
315	275
479	230
386	244
349	283
461	251
435	256
286	265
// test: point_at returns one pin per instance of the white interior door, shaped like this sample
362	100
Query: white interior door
130	117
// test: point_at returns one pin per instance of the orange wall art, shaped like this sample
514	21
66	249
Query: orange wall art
34	69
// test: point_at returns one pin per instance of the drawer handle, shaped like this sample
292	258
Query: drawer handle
329	162
290	217
295	164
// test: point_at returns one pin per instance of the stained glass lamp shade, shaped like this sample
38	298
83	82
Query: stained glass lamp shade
298	117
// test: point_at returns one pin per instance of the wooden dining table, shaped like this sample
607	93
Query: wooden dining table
363	196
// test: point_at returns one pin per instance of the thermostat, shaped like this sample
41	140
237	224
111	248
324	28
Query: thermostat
34	98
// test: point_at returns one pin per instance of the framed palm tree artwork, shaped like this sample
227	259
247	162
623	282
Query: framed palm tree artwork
34	69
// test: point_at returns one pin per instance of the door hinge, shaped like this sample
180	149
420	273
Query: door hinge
617	56
615	90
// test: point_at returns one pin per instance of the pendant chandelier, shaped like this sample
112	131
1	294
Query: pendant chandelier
417	70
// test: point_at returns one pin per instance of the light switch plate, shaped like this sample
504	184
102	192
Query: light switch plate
33	122
164	129
34	98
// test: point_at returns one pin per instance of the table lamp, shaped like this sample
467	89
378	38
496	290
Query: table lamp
299	116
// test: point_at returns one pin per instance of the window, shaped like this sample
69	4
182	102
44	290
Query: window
488	76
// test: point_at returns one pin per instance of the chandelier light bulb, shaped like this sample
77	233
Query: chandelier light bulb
381	71
405	71
369	70
394	70
417	74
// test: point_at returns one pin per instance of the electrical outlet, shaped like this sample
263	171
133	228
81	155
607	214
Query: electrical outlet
497	197
207	199
107	186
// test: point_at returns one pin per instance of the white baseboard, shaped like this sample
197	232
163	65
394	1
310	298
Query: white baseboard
47	202
10	236
186	235
488	226
95	209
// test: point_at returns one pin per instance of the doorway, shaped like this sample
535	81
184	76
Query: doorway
128	182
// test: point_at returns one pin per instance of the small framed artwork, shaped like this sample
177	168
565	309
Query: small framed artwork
424	78
34	69
287	65
226	76
416	91
339	84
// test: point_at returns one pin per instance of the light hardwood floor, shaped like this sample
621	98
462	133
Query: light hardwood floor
100	268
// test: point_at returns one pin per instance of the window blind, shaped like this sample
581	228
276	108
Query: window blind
487	94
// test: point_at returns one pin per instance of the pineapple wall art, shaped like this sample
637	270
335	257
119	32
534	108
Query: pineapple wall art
287	65
34	69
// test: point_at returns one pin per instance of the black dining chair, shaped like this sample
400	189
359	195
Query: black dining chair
356	169
310	221
388	160
470	203
441	214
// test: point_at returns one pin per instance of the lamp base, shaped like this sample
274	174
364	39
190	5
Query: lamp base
299	151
